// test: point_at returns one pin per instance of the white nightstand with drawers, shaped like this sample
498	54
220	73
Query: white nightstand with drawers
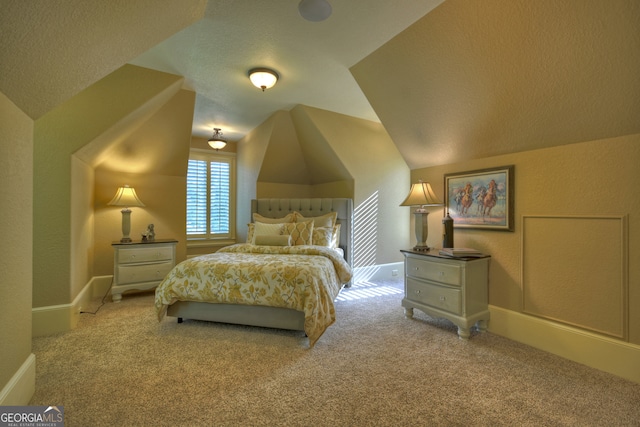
141	265
451	288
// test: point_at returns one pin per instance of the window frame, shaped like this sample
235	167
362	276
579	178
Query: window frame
218	239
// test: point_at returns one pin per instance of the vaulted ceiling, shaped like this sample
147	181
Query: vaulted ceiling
449	80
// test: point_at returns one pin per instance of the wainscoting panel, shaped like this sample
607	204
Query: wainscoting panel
584	285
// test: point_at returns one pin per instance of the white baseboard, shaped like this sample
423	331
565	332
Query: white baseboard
600	352
64	317
20	388
378	272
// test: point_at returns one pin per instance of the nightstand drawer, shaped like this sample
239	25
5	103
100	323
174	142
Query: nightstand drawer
436	271
448	299
143	273
131	255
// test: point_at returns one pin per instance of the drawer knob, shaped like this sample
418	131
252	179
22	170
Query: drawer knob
443	298
417	292
441	273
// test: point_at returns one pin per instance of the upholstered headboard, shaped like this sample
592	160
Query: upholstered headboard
277	208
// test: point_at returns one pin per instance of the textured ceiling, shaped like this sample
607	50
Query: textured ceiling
450	80
312	58
502	76
50	51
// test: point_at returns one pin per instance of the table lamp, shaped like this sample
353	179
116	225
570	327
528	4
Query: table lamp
126	196
421	195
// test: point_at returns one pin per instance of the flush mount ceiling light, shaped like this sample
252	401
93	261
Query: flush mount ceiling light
314	10
263	78
217	142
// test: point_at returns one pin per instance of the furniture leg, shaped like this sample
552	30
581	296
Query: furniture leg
464	333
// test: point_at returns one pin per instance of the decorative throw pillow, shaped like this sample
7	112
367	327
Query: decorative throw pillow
273	240
322	236
287	218
335	238
326	220
260	228
301	232
250	232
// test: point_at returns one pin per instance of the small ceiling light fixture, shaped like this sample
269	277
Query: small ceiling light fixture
314	10
263	78
217	142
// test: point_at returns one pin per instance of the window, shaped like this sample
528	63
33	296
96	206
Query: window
210	196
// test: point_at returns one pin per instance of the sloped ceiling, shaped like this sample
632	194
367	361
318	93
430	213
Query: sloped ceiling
114	109
473	79
283	160
312	58
298	153
50	51
469	79
323	162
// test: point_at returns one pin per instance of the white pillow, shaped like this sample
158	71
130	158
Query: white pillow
259	218
261	228
326	220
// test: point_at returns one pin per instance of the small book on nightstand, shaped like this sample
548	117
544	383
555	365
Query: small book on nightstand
460	252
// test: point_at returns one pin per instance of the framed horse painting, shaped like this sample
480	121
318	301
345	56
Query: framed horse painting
481	198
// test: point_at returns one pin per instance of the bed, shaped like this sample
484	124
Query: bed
264	282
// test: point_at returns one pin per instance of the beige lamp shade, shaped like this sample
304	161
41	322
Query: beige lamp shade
421	194
126	196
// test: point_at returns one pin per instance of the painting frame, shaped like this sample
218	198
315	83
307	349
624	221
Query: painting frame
476	185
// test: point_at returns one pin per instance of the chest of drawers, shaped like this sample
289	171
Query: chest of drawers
455	289
141	266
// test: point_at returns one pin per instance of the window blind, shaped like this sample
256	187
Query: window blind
208	198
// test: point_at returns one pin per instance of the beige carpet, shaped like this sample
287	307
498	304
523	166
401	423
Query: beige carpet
373	367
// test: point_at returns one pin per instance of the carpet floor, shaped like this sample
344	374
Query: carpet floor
373	367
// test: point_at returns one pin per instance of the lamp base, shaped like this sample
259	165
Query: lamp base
126	225
422	229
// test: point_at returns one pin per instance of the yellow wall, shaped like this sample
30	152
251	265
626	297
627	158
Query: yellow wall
335	156
16	229
597	179
153	160
380	179
82	238
99	116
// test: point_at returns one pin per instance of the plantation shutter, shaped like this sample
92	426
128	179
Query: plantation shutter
210	197
219	197
197	197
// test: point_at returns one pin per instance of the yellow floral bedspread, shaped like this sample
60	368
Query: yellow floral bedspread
304	278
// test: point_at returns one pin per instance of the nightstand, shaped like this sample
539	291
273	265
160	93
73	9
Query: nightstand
455	289
141	265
